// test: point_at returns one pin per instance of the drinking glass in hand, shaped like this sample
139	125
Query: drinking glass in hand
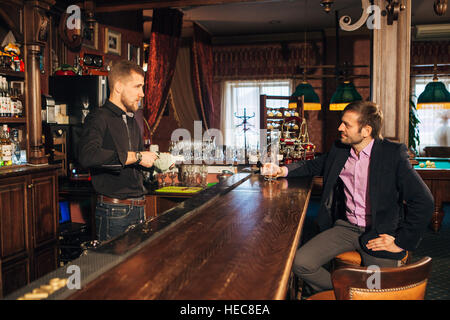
269	172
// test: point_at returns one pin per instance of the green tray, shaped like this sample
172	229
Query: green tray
177	189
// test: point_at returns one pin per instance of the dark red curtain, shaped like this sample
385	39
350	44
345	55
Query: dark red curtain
163	50
202	69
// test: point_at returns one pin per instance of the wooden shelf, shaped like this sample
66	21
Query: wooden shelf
13	120
10	73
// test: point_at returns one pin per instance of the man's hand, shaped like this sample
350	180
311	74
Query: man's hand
271	169
383	242
148	159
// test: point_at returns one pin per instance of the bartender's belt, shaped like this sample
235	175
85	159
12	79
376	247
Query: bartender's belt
133	202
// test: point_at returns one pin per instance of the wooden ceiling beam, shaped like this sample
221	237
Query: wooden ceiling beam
154	4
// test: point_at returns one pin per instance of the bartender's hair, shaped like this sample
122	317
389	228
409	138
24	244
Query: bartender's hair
369	115
122	69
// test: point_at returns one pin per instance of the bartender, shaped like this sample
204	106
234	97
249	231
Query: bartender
112	148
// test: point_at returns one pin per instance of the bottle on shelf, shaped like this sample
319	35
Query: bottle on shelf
6	146
7	101
16	152
18	111
2	97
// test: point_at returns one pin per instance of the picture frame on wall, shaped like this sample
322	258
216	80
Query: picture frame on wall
90	37
134	53
112	41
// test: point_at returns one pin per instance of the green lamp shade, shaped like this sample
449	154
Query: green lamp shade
311	100
345	94
435	95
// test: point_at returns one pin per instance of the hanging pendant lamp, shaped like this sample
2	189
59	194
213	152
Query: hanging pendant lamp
311	99
435	95
345	94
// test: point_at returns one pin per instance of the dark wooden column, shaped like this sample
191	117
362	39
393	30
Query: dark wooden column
36	24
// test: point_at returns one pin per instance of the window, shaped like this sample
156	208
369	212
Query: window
240	95
433	126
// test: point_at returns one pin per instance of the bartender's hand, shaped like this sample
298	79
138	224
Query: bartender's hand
271	169
148	159
383	242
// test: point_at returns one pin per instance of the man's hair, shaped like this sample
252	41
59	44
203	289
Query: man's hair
122	69
369	115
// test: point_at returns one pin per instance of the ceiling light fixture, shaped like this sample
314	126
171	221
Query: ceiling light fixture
345	94
435	94
440	7
326	4
311	100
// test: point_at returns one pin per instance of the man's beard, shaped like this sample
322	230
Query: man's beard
129	106
350	142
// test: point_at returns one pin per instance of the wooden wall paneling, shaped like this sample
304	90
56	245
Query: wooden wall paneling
13	218
45	261
44	209
391	72
15	275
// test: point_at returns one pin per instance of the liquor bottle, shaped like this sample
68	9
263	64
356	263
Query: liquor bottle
18	105
7	101
2	98
15	146
6	146
13	96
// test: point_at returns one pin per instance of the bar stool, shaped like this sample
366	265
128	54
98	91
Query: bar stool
407	282
353	258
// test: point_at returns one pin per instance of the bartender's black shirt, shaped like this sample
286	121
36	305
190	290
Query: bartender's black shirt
103	148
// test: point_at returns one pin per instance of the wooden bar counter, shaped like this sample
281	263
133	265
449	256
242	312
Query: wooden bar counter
238	242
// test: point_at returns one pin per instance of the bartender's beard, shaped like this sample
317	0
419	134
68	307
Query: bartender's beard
130	105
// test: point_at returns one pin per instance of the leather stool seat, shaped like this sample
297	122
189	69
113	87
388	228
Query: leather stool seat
353	258
349	257
324	295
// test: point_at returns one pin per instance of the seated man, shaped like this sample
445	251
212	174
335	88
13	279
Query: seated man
373	201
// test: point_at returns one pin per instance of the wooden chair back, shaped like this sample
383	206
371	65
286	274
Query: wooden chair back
407	282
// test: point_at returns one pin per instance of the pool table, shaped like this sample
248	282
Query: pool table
438	180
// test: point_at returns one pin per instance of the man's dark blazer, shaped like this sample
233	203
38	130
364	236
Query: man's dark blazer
401	204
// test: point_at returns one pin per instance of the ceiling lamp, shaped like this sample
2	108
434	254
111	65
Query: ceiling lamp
440	7
311	100
345	94
435	95
326	4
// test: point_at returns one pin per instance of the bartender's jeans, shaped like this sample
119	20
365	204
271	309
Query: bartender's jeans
111	220
342	237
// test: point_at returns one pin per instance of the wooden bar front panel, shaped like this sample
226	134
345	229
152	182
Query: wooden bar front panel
240	246
13	218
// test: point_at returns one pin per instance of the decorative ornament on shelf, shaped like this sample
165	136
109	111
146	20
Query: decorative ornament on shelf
65	70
